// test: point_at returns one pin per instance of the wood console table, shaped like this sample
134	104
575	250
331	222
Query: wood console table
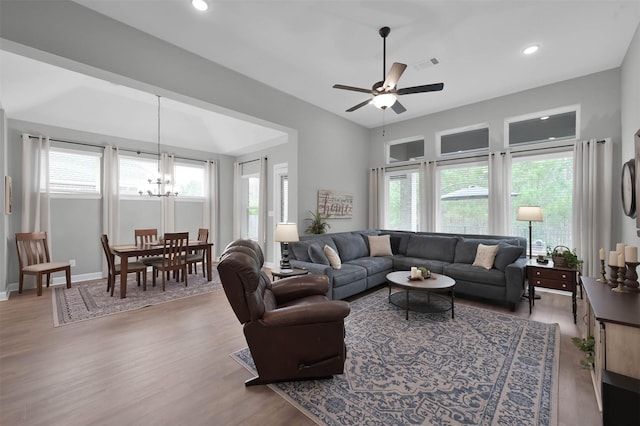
613	319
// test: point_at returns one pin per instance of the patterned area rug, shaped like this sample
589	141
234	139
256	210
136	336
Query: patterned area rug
90	299
481	368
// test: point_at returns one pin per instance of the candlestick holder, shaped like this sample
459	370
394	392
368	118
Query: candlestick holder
631	278
603	272
620	280
613	276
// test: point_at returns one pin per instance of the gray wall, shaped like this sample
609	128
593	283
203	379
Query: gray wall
630	124
597	94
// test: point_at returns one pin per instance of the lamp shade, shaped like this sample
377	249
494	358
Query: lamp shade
529	213
286	232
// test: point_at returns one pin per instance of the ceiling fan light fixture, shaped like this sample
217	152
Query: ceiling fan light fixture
200	5
384	100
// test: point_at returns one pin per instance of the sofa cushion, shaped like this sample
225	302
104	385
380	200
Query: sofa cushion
399	241
348	274
374	265
351	246
404	263
432	247
485	256
467	248
299	250
474	274
334	259
380	245
507	254
316	254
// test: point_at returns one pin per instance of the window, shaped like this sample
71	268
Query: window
188	180
134	174
463	139
284	197
545	126
74	172
251	205
403	200
412	150
464	199
545	181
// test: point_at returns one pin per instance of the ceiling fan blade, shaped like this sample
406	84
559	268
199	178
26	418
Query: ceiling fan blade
394	75
421	89
360	105
398	108
353	89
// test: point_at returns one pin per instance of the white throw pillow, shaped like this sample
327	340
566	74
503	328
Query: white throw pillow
485	256
333	257
380	245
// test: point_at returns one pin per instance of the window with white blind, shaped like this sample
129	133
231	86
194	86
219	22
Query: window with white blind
403	200
547	181
188	180
74	173
463	198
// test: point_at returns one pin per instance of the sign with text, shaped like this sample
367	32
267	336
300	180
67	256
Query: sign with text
335	205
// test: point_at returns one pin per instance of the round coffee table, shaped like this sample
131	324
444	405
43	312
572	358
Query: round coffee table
424	295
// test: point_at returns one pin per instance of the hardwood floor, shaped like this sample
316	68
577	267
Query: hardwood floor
169	365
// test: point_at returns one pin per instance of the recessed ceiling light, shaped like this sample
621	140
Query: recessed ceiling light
201	5
546	117
531	49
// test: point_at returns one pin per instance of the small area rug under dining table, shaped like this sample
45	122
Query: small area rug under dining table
481	368
90	299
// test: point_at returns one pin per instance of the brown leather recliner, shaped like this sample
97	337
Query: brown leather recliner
293	331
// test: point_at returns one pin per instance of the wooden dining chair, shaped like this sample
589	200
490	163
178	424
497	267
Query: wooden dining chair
33	257
198	255
114	269
175	246
146	236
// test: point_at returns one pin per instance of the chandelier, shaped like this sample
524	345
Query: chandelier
158	185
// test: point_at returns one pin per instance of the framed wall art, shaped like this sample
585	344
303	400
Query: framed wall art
335	205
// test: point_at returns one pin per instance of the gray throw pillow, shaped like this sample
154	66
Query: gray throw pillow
507	254
316	254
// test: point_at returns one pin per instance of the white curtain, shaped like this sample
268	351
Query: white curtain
592	198
237	200
36	210
500	193
429	201
167	215
111	195
210	211
376	198
262	206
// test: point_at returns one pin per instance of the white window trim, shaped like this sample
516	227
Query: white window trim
533	115
462	129
387	149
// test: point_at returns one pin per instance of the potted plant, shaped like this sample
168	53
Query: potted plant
316	225
564	257
587	346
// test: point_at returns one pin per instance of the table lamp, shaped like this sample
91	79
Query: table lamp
531	214
286	233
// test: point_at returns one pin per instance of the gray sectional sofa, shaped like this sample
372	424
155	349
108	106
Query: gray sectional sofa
447	254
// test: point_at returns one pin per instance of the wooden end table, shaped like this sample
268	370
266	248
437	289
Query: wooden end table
277	272
554	277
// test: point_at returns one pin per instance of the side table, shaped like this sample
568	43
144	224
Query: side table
276	272
553	277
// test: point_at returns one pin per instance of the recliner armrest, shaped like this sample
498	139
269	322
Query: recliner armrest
292	288
330	311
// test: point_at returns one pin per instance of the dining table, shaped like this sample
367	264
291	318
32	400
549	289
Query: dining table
153	249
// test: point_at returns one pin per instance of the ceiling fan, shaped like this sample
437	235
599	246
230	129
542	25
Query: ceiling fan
385	94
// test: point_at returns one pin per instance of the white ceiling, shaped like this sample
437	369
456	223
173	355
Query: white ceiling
303	47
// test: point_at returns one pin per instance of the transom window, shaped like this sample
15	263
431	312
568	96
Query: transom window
463	139
546	126
401	151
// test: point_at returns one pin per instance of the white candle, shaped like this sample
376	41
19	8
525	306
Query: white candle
620	248
631	253
414	272
613	258
601	254
620	259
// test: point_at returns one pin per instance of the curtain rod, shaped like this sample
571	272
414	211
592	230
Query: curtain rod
251	161
121	149
484	155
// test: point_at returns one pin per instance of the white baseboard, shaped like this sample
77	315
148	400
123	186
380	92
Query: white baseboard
4	295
